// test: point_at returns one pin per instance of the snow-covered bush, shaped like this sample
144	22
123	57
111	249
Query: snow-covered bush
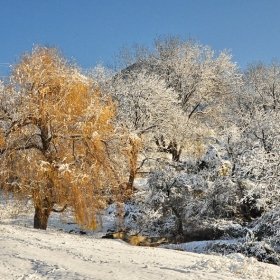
169	192
247	246
268	228
193	191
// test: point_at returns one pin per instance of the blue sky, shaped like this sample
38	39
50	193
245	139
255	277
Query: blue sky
94	30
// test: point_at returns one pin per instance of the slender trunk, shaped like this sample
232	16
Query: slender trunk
179	220
180	227
131	178
175	151
172	148
133	163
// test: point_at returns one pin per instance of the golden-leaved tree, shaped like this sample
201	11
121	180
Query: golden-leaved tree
57	141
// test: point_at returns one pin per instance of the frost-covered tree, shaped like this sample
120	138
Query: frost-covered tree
200	76
171	99
195	190
201	81
262	83
252	138
169	194
58	145
147	110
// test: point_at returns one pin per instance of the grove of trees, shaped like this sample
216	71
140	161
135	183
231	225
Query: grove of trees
202	134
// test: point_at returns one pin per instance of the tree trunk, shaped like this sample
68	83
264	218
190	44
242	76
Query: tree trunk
133	163
131	178
41	217
180	229
175	151
172	148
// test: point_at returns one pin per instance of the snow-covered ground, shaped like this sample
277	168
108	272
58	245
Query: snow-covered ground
26	253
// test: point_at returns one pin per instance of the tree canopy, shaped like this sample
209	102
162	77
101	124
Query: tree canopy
57	138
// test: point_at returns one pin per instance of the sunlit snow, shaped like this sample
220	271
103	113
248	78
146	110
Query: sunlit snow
27	253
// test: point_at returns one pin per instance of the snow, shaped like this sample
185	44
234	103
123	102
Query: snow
27	253
33	254
197	246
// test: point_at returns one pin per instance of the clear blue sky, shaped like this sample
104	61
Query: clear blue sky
93	30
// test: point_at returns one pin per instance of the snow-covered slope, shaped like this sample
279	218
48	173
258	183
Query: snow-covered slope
33	254
26	253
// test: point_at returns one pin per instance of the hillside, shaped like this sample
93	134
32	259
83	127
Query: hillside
27	253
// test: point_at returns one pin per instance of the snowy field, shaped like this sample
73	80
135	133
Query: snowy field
55	254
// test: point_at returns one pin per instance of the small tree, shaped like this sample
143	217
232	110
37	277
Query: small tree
57	139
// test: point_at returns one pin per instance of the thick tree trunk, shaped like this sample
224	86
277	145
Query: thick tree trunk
43	210
41	217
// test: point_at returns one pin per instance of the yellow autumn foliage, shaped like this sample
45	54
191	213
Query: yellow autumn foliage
61	147
2	139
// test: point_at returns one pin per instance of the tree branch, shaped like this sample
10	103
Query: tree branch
61	210
31	146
